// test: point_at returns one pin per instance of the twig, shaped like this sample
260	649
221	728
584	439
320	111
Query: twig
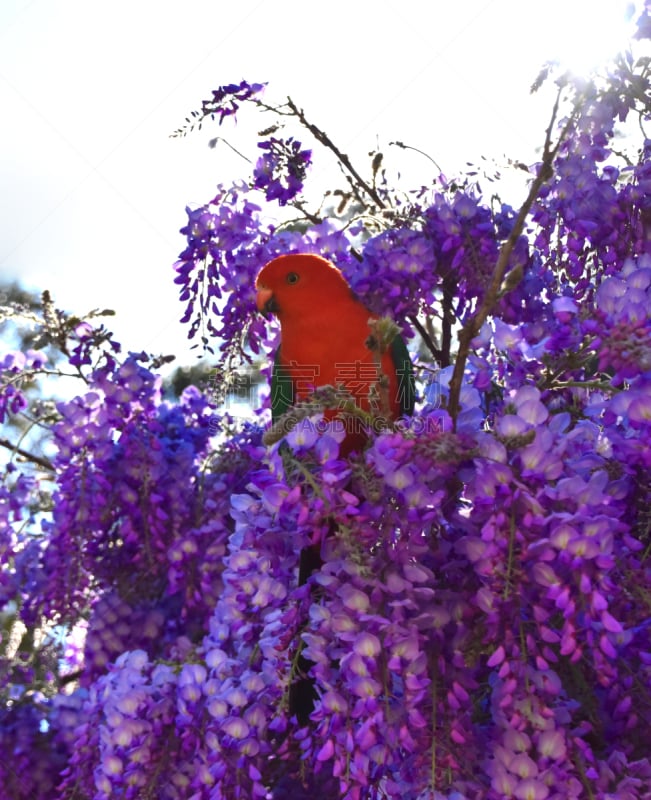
434	350
299	205
212	143
41	462
325	140
404	146
447	319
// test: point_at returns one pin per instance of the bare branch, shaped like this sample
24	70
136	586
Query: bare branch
404	146
38	460
424	335
495	289
325	140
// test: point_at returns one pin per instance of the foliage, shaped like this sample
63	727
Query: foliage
481	624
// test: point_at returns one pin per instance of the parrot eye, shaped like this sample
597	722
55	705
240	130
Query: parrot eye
292	277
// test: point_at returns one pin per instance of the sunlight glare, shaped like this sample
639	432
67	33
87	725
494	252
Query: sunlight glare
585	34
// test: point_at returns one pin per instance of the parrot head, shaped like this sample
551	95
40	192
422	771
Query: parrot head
297	282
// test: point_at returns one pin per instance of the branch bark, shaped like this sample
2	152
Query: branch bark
38	460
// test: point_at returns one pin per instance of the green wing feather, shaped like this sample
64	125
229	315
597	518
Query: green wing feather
282	390
405	375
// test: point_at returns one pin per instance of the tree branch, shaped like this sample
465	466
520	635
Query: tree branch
325	140
434	350
494	293
404	146
38	460
447	319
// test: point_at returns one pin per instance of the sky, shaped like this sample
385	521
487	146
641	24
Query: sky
93	189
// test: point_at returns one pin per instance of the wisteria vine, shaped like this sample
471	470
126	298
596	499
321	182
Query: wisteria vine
480	627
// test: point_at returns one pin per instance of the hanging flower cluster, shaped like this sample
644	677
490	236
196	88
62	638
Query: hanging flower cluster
280	171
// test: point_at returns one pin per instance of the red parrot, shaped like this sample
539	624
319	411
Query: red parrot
324	341
324	331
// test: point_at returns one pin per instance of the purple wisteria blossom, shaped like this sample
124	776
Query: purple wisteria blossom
225	101
280	171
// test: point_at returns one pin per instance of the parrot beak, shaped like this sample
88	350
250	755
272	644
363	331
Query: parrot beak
265	301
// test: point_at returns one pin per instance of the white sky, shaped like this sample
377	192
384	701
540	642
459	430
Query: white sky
93	190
